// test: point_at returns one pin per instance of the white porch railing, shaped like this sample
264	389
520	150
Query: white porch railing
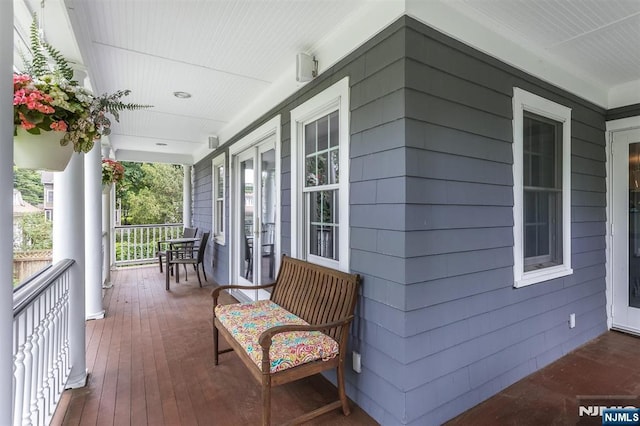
41	344
137	244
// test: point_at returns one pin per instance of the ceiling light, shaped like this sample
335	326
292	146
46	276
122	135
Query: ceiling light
182	95
161	144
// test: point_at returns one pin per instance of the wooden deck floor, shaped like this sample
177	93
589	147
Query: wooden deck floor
603	372
150	363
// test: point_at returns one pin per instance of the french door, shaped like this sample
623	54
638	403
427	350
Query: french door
255	237
625	271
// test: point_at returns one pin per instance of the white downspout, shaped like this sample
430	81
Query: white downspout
186	197
6	213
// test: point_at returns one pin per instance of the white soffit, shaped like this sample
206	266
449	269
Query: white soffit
577	45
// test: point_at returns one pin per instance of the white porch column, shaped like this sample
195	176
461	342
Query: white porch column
6	213
69	242
93	232
107	215
186	197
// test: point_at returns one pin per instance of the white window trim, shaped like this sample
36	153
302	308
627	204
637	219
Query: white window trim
327	101
215	163
526	101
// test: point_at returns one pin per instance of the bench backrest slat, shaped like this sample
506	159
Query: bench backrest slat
328	295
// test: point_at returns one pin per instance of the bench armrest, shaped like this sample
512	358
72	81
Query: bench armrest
266	336
216	291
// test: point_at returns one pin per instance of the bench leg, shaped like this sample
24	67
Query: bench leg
341	393
266	400
215	345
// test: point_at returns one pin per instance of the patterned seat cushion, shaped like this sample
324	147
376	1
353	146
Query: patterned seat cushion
246	321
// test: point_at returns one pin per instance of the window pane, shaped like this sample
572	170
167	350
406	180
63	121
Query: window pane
219	217
323	133
537	222
530	241
323	163
322	241
322	206
310	138
334	167
334	138
311	172
541	152
314	243
220	187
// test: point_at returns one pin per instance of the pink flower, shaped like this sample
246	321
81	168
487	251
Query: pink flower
26	124
59	126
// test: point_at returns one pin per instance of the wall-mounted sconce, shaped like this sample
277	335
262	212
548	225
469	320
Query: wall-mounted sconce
213	142
306	67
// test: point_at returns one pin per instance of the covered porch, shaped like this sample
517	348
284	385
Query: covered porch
424	97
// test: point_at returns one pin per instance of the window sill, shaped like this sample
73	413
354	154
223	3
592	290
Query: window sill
219	240
542	275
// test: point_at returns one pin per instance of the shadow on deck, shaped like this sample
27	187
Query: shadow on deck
150	362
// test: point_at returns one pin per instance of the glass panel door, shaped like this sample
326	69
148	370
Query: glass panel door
634	225
247	195
625	271
255	236
268	210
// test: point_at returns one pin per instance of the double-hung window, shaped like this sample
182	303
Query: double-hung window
218	173
542	189
319	198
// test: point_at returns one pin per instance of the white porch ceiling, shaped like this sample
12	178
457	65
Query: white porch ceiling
599	37
236	57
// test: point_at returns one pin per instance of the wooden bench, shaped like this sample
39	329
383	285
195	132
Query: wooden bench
312	340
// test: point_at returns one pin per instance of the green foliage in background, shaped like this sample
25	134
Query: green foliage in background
29	184
36	232
150	193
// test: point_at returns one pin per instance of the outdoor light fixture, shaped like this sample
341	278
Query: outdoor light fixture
182	95
213	142
306	67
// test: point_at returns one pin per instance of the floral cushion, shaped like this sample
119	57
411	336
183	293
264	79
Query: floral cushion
246	321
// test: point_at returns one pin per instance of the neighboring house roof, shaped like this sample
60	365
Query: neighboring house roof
21	207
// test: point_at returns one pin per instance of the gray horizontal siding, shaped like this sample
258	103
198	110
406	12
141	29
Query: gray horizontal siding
468	332
216	262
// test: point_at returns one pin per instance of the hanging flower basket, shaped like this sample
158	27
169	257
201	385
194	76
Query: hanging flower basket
52	110
112	172
41	152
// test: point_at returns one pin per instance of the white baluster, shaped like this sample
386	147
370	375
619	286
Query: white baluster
36	371
43	388
19	331
28	367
